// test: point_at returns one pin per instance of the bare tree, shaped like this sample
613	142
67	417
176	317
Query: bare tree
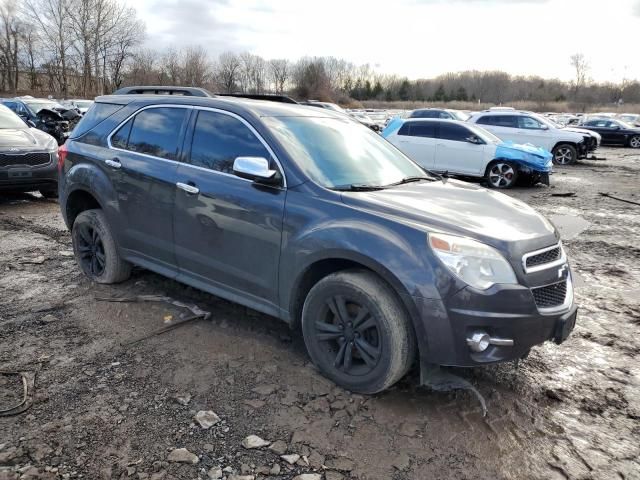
581	68
280	71
227	71
9	43
196	66
53	24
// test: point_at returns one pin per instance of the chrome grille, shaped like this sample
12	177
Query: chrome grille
28	159
544	257
550	296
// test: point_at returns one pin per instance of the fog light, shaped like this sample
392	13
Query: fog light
479	341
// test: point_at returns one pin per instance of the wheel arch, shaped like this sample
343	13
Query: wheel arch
78	201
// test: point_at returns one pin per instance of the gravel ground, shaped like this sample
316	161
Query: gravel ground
111	400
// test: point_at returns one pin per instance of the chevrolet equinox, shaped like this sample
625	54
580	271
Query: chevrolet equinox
308	216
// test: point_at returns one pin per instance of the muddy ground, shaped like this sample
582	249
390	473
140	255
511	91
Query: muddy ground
106	406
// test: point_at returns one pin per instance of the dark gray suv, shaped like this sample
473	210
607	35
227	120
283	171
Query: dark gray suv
308	216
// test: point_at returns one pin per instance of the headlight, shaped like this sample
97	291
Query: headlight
475	263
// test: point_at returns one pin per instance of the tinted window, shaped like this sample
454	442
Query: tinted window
418	129
95	115
218	139
529	123
156	132
121	137
597	123
425	114
498	120
451	131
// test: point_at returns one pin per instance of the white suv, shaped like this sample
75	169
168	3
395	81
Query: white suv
527	127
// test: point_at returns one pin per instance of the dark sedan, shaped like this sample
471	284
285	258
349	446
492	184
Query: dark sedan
28	157
614	132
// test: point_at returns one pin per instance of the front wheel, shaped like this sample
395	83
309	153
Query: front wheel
501	174
95	249
565	154
357	332
634	142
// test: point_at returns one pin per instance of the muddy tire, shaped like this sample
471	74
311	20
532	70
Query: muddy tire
49	193
634	142
565	154
95	250
357	331
501	174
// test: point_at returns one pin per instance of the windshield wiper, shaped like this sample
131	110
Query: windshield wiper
414	179
355	187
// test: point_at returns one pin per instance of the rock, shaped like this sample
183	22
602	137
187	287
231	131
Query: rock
206	418
265	389
316	460
254	403
49	318
182	455
290	459
263	470
254	441
279	447
338	405
158	475
401	462
10	455
340	463
275	470
308	476
409	429
35	260
208	447
298	437
320	404
245	469
333	476
214	473
241	477
290	398
66	253
183	398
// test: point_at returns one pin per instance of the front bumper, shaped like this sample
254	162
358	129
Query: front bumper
503	312
25	179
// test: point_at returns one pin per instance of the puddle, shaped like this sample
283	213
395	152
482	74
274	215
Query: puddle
570	226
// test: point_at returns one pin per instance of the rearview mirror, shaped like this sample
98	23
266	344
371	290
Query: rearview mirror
254	168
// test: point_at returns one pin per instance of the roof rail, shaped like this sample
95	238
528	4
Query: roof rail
163	90
260	96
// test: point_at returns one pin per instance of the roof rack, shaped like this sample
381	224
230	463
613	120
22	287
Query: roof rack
163	90
260	96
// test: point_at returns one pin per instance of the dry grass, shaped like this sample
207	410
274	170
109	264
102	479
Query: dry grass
521	105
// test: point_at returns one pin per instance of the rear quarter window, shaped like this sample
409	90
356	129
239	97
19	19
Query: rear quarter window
94	116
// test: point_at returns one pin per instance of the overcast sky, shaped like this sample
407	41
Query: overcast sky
416	38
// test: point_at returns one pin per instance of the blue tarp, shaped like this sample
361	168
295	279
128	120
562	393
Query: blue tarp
536	158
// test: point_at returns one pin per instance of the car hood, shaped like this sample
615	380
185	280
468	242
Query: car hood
23	139
533	157
584	131
459	208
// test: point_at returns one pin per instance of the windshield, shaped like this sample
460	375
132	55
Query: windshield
338	153
8	119
622	124
459	115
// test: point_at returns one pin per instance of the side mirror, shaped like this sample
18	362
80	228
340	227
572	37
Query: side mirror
474	139
254	168
31	123
616	127
544	127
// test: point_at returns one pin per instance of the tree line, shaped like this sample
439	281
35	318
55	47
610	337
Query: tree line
71	48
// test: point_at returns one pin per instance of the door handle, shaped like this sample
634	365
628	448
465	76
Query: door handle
192	189
115	163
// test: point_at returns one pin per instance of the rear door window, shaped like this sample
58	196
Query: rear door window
156	132
454	132
418	129
509	121
218	139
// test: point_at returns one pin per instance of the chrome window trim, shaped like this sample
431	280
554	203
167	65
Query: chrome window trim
544	266
195	107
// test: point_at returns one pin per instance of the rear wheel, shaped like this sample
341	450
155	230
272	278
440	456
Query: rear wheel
565	154
501	174
357	332
95	250
634	142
